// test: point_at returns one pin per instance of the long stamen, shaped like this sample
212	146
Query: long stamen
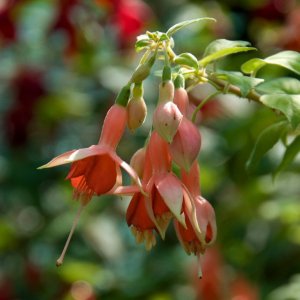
60	260
199	266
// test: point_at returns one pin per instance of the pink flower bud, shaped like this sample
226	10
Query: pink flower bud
181	99
186	144
137	112
166	120
166	91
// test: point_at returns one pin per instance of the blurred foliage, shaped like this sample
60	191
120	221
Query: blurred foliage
62	62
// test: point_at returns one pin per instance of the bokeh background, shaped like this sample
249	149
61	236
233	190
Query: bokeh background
61	65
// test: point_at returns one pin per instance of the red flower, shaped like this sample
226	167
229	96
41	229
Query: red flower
96	170
201	229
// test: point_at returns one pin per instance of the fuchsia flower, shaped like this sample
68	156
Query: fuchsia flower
201	229
96	170
164	188
164	199
142	227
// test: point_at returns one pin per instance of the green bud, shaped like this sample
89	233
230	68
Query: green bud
143	71
123	96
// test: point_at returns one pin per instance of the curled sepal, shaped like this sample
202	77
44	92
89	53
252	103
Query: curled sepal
137	161
166	120
205	226
170	189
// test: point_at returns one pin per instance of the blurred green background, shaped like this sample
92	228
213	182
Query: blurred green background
61	65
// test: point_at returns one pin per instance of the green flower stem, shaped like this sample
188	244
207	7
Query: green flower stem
202	103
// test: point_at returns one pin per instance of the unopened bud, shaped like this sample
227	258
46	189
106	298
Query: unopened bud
166	120
137	112
136	108
186	144
143	70
181	99
166	91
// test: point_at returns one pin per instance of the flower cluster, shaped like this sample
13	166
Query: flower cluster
159	196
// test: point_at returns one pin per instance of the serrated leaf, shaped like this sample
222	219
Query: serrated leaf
245	84
183	24
289	105
220	48
286	59
291	152
266	140
282	85
187	59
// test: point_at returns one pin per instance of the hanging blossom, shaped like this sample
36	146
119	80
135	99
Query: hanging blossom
97	170
158	195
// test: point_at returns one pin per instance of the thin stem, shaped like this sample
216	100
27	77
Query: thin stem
221	85
60	260
202	103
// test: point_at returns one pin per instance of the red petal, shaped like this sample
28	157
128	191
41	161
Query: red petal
158	203
188	235
79	167
137	214
101	174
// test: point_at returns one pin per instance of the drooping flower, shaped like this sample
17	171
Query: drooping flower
165	190
201	229
96	170
142	227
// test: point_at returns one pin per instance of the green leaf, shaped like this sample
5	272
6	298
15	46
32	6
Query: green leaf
222	44
187	59
291	152
286	59
246	84
266	140
289	105
252	65
220	48
183	24
282	85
